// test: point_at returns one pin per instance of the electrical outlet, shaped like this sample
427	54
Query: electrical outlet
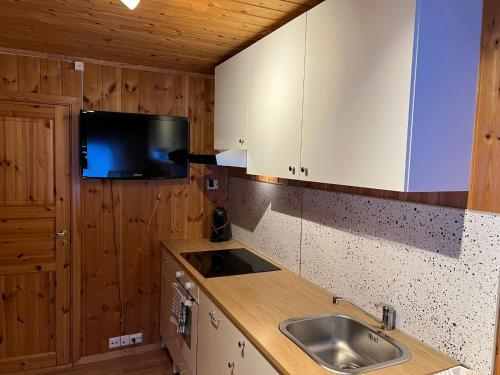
125	340
136	339
114	342
212	184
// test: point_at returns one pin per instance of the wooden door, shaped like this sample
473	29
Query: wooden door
34	261
276	78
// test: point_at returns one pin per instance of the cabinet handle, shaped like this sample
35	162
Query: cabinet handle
177	369
291	169
231	365
241	141
304	170
214	319
241	344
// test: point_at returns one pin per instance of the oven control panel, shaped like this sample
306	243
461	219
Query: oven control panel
187	283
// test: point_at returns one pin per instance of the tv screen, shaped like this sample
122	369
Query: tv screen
133	146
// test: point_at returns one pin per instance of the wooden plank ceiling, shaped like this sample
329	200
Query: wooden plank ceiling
187	35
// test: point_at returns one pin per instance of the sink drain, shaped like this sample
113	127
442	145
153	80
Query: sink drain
349	366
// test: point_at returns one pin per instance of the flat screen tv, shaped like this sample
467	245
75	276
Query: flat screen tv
133	146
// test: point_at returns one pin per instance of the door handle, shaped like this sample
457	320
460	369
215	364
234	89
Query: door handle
58	234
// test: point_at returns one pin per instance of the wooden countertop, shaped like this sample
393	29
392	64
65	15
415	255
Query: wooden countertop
257	303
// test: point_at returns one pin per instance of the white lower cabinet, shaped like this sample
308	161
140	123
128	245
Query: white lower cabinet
223	349
217	346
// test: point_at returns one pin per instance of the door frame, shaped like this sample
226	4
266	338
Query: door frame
73	104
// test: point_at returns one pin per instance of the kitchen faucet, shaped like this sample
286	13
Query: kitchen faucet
388	321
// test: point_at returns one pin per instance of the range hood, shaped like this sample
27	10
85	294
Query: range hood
225	158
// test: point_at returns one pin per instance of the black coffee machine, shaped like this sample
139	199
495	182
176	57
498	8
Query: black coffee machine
221	227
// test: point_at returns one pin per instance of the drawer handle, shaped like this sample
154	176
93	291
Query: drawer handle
177	370
215	321
231	365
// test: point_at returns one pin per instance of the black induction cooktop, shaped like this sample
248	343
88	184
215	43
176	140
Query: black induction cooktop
229	262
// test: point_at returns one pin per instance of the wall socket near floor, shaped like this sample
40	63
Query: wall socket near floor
114	342
126	340
136	339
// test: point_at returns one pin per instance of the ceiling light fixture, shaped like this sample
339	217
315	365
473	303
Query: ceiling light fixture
131	4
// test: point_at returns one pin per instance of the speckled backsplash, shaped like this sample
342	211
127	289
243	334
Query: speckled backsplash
438	266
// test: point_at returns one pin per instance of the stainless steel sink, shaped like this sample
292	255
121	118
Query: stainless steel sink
344	345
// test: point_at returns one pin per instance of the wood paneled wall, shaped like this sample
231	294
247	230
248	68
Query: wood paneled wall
143	213
129	218
485	177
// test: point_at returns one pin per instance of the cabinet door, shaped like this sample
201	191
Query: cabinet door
222	348
213	350
275	101
358	75
251	362
231	103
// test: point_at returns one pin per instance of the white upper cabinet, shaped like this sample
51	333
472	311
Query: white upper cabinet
369	93
231	102
390	93
276	76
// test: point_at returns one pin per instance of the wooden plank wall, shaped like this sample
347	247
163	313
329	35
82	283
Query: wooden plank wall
142	213
485	178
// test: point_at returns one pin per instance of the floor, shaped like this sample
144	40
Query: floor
155	362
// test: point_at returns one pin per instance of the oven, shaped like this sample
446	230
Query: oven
184	316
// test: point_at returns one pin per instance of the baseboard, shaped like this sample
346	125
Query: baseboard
117	354
45	370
